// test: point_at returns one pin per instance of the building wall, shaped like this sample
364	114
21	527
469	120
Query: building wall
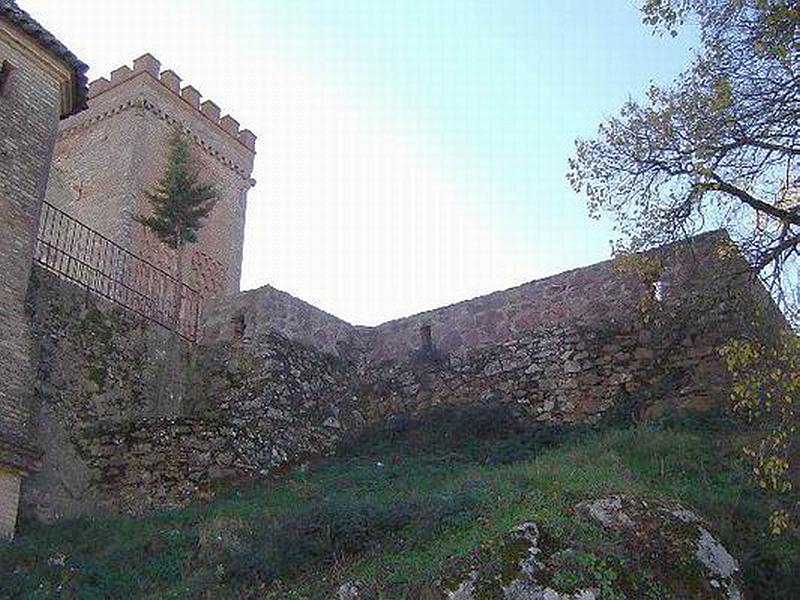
9	499
269	310
567	348
95	363
114	441
29	110
603	295
600	295
276	381
110	155
91	176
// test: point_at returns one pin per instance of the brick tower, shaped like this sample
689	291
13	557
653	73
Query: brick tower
108	157
40	81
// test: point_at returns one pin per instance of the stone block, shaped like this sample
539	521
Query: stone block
229	124
247	138
121	74
148	63
211	110
98	86
192	96
171	81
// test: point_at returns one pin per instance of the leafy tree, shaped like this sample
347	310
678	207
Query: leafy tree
766	390
717	148
180	204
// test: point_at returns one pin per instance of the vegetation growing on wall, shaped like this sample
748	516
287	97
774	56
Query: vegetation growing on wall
180	205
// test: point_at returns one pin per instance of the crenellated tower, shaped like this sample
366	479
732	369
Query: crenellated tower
107	157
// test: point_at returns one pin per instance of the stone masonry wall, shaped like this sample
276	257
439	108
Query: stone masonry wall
95	363
115	440
267	403
255	400
582	298
566	348
268	310
571	347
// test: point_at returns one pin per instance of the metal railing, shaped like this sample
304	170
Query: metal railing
86	257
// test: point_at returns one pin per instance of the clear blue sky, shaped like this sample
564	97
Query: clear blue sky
411	153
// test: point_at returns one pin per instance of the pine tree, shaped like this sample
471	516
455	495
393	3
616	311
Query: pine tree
180	205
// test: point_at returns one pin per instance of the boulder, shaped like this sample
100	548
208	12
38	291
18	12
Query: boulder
653	549
674	535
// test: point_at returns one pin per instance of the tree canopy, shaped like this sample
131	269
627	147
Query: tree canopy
717	148
180	202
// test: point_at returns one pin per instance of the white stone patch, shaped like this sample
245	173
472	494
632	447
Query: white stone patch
348	591
608	512
530	533
714	557
659	289
720	564
466	590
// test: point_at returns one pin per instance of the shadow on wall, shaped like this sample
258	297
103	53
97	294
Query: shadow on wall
95	364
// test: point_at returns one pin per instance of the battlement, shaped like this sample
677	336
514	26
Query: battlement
148	65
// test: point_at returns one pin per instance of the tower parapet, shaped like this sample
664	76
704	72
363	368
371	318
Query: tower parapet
108	157
147	63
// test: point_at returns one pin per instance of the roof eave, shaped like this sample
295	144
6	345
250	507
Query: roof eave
46	40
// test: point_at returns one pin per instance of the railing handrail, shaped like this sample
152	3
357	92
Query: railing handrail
117	246
80	253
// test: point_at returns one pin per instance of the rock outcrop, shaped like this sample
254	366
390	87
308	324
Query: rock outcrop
654	549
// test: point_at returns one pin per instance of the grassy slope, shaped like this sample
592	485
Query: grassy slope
402	523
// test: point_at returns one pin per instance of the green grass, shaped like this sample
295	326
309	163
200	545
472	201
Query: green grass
403	509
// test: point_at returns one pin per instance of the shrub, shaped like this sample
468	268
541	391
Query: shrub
483	433
329	530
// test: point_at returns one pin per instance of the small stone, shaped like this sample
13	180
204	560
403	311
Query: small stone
348	591
225	458
607	511
714	557
332	422
534	368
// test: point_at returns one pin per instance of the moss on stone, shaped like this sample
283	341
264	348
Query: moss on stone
98	375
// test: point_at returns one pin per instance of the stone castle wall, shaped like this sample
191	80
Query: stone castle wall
583	296
95	363
571	347
124	427
268	310
110	155
276	381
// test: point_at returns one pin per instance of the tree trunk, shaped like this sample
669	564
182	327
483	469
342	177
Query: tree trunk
179	302
175	387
